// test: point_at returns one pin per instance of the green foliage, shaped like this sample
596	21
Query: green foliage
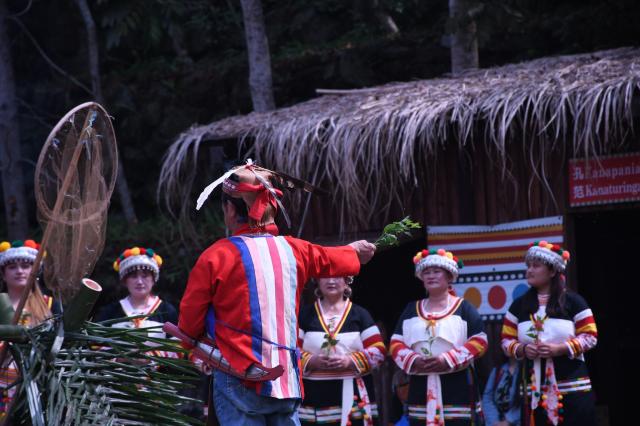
428	350
392	232
148	23
101	375
329	343
537	326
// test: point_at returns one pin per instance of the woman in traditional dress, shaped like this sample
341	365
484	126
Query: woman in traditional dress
551	328
16	262
340	346
139	269
436	341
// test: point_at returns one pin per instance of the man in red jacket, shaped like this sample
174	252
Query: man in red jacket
252	281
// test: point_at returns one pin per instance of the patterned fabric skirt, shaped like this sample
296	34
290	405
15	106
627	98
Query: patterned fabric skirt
578	402
322	404
8	377
460	398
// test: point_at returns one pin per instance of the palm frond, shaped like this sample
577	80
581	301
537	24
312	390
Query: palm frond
101	375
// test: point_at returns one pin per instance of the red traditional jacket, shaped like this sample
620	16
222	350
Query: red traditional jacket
254	282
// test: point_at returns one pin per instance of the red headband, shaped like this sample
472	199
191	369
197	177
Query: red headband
264	198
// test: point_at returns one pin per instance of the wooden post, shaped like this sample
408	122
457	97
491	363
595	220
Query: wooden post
520	173
308	201
479	193
534	187
491	183
464	189
451	185
81	305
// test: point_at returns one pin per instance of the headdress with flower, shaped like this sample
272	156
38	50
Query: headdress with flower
136	258
550	254
440	258
17	251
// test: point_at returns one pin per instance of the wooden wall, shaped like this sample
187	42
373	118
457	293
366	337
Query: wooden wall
466	186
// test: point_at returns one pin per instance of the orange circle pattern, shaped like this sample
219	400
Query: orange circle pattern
473	296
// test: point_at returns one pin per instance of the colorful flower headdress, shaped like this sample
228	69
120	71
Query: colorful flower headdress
18	250
440	258
551	254
135	258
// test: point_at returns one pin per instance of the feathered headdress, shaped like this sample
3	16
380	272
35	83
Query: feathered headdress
254	184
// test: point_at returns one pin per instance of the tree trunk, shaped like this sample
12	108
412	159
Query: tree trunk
11	173
464	39
94	69
260	81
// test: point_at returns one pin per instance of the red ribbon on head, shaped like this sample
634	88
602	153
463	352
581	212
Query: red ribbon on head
264	198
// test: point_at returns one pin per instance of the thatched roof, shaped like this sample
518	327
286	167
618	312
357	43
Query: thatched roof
582	99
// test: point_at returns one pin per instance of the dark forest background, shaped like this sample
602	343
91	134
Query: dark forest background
168	64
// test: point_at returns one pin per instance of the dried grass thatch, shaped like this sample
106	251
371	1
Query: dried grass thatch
371	138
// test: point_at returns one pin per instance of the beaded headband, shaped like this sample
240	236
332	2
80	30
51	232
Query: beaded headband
551	254
439	258
136	258
18	250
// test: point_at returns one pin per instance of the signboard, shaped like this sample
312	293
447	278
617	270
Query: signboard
604	180
494	269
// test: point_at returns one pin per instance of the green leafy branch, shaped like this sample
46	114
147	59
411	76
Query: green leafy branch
428	351
329	343
392	232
